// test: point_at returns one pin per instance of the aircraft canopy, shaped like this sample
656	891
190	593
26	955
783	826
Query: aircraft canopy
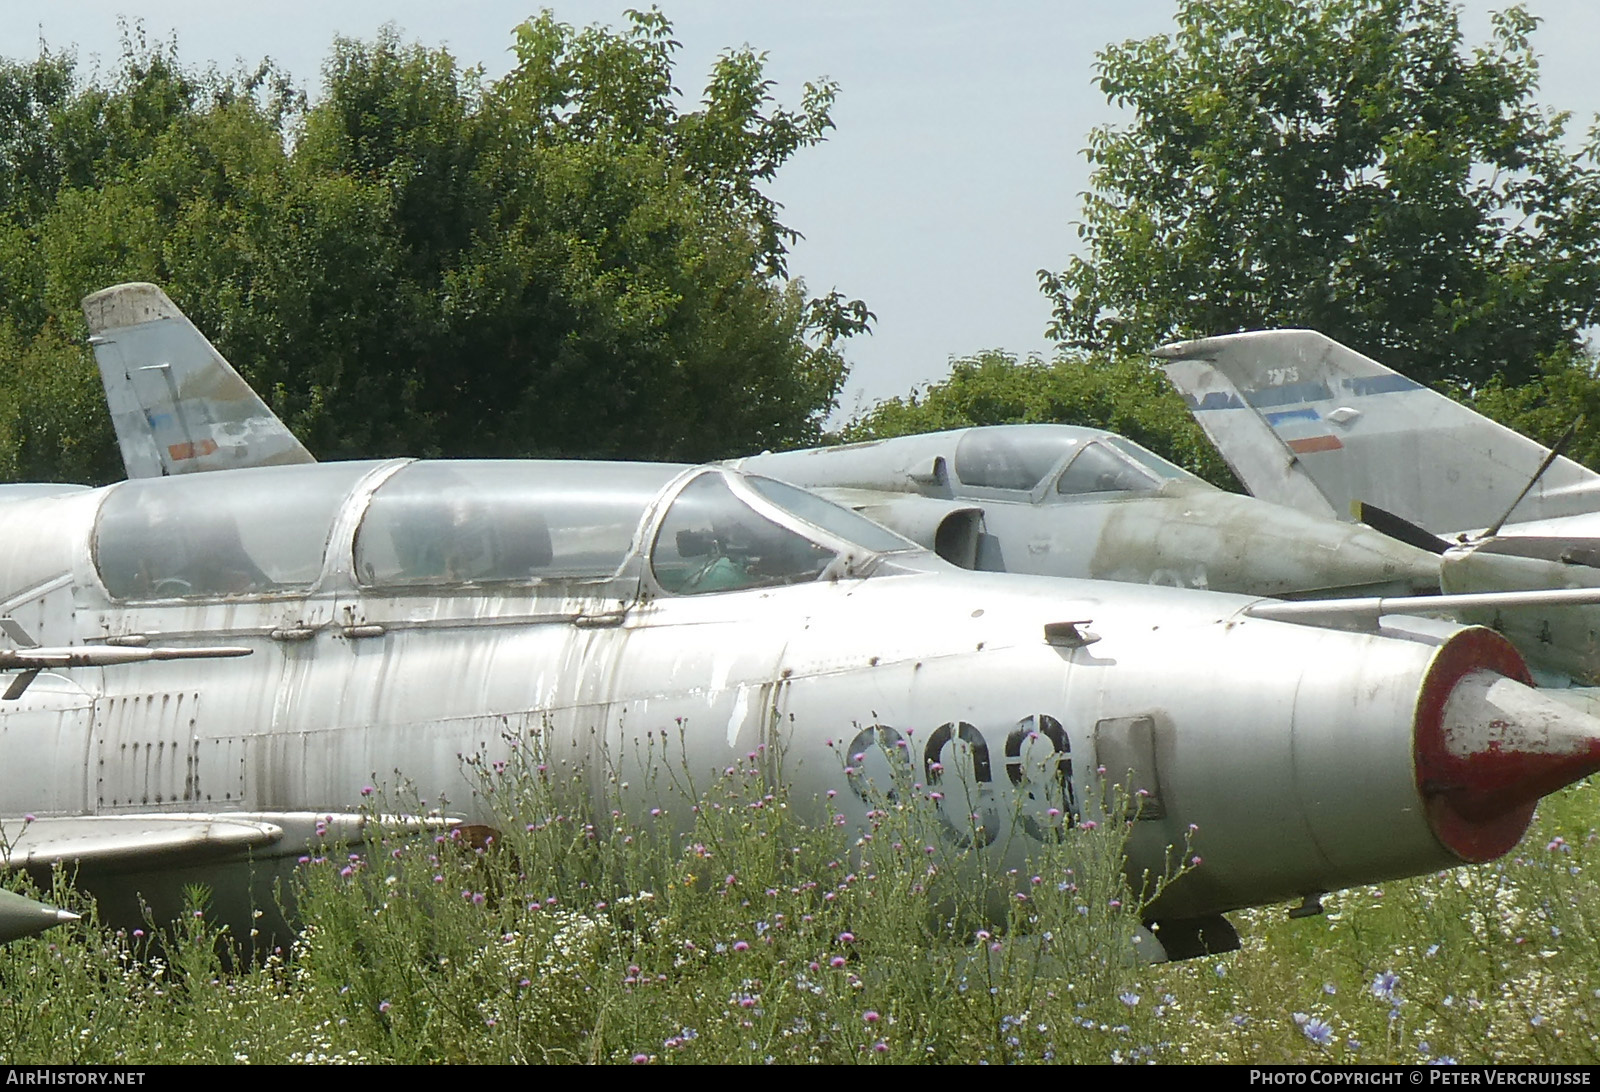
1022	457
221	534
454	527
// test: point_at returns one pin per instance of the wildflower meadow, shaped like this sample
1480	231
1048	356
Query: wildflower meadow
729	923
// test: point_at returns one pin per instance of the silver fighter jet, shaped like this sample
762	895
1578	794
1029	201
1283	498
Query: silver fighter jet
208	669
399	614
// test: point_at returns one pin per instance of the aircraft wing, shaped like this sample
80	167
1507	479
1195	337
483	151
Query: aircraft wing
177	405
114	843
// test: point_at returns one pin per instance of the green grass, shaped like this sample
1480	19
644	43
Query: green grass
598	935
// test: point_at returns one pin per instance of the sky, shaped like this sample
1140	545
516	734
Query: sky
955	171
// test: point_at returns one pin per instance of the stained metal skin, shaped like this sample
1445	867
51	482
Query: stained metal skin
1060	500
1307	422
384	637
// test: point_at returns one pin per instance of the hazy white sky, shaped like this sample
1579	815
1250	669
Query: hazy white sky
955	171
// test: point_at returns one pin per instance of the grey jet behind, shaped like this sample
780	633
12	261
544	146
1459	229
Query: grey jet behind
1060	500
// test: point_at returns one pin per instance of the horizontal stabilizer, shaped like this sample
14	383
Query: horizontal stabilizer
177	405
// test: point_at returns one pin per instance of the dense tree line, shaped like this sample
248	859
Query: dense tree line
562	262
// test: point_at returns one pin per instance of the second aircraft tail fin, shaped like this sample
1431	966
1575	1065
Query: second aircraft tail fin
177	405
1296	407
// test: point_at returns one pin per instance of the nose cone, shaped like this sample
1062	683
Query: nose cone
1488	745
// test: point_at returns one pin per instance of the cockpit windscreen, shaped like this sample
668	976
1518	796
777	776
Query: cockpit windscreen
712	541
831	517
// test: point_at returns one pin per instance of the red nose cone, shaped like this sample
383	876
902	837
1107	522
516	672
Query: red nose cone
1488	746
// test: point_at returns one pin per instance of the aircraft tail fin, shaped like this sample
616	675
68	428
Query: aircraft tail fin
177	405
1296	407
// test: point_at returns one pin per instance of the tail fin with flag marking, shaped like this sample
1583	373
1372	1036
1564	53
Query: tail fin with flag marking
177	405
1295	406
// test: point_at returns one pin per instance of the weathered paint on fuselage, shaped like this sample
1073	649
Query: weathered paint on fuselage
1179	533
1288	748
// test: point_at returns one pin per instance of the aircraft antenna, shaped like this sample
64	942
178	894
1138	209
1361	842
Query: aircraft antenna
1560	444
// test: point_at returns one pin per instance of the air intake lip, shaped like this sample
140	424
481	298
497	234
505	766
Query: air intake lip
1488	745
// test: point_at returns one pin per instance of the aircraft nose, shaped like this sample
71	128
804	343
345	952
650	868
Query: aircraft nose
1488	746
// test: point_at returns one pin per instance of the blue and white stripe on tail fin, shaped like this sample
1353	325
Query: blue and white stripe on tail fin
177	405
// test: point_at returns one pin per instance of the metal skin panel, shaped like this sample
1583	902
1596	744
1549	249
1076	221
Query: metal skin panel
1557	639
45	745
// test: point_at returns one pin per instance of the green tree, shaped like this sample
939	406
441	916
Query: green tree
1123	394
563	262
1345	165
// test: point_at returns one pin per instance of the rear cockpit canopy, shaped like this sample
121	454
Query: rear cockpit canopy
467	524
453	528
241	533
